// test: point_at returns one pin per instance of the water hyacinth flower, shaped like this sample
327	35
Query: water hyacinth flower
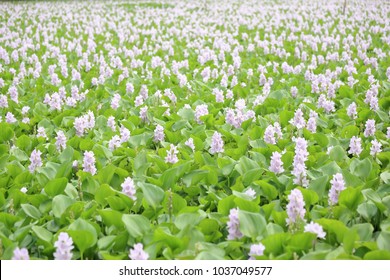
250	192
200	110
35	159
89	162
338	185
124	133
190	143
111	123
159	134
276	165
138	253
376	147
355	146
41	132
316	229
60	140
312	122
298	121
20	254
64	246
299	167
217	143
351	111
172	155
233	225
10	118
128	188
256	250
370	128
295	208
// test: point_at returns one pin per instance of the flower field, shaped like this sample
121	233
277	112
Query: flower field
195	130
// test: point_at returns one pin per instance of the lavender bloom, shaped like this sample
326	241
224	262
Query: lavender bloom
115	101
312	122
35	159
338	185
138	252
41	132
111	123
10	118
294	91
89	162
84	122
298	121
256	250
216	143
351	111
355	146
128	188
295	208
144	113
388	133
200	110
159	133
20	254
376	147
190	143
125	134
60	140
276	163
301	155
315	228
250	192
172	155
114	143
64	245
370	128
234	225
269	135
3	101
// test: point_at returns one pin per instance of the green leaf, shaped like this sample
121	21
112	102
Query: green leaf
105	174
31	211
56	186
337	153
252	224
368	210
152	194
310	197
60	203
302	241
350	237
383	241
194	177
225	204
268	190
364	231
102	193
319	185
333	227
361	168
330	169
84	234
112	218
136	225
6	132
43	234
24	143
351	198
377	255
276	243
